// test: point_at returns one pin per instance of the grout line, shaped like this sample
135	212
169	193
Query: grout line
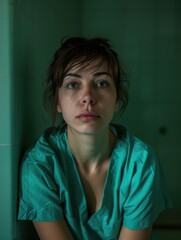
6	145
5	75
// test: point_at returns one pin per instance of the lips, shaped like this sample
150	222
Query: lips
88	116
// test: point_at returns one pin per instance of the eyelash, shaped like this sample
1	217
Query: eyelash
103	84
99	84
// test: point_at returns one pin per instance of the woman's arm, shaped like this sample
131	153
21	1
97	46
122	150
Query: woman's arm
127	234
53	230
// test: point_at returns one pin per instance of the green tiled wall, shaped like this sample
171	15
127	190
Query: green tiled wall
6	143
6	179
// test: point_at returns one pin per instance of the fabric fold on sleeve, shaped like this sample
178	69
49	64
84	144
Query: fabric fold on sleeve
39	195
148	195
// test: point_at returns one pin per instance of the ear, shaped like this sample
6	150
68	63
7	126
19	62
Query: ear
116	106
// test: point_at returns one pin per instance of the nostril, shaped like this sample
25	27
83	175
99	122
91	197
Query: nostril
88	101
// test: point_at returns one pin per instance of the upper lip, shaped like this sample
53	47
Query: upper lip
87	113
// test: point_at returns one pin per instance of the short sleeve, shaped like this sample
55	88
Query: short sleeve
39	195
147	195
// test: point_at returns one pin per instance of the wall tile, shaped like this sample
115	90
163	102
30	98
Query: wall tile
6	193
5	110
5	46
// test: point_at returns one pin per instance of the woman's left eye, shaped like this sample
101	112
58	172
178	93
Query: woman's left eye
102	84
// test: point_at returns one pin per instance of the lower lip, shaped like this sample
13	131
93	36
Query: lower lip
88	117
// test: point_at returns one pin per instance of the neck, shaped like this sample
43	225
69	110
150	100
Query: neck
90	150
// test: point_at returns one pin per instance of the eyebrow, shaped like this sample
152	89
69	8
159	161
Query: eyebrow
97	74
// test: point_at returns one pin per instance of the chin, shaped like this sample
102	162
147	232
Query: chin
90	129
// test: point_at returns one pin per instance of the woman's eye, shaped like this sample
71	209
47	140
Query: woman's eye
72	85
102	84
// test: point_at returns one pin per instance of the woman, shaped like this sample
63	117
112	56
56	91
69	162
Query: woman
90	179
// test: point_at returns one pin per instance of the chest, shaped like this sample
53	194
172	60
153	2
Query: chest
93	186
92	205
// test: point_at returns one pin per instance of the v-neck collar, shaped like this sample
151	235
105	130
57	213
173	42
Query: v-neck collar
108	183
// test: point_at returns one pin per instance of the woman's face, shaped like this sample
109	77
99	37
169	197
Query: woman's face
87	98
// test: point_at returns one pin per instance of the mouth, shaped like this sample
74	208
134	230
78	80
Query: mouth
88	116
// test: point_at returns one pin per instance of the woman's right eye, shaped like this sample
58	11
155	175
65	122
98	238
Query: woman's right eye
72	85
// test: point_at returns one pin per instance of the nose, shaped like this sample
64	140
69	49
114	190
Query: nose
88	97
89	101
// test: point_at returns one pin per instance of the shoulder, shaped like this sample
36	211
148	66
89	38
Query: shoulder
47	146
135	151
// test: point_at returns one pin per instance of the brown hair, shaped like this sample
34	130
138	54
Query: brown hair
76	52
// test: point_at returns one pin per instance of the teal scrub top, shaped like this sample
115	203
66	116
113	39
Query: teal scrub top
50	187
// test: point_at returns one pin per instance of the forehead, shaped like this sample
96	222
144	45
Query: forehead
88	66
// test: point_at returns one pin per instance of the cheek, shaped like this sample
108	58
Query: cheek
64	113
111	100
65	106
60	103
